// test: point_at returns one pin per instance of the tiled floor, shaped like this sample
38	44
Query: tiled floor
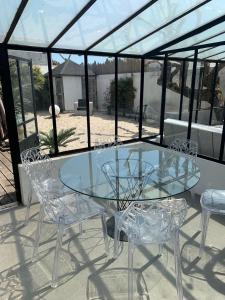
86	273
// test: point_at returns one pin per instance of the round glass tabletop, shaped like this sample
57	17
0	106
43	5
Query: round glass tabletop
172	173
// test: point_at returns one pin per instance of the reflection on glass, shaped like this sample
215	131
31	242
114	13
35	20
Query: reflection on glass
26	88
180	27
157	15
102	99
101	17
30	127
128	98
37	25
152	97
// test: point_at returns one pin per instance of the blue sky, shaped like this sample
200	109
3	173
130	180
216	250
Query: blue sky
78	58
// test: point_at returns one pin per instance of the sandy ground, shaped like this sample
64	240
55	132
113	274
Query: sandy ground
102	128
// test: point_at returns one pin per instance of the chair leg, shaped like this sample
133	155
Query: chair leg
161	246
177	260
54	282
130	270
105	235
29	199
38	233
205	221
116	241
80	228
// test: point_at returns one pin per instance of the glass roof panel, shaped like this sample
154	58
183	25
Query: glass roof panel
212	51
208	12
182	54
102	17
200	38
7	13
218	56
215	39
152	18
43	20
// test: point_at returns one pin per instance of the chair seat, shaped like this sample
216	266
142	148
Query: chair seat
53	185
214	200
71	209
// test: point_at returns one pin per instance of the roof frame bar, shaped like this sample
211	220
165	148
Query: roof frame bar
124	22
15	20
72	22
165	25
185	36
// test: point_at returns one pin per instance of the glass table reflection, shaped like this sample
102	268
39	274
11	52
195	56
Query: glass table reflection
174	173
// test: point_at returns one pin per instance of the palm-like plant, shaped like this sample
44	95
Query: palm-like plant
63	138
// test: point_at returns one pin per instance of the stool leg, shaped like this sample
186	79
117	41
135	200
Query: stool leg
205	221
130	270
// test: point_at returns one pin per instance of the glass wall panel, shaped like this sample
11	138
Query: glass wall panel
177	108
157	15
152	98
208	136
180	27
102	99
26	89
37	25
7	12
101	17
29	75
128	98
70	98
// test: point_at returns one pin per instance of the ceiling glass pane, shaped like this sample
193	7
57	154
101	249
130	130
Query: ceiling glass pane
218	56
199	38
212	51
215	39
152	18
7	12
182	54
43	20
197	18
102	17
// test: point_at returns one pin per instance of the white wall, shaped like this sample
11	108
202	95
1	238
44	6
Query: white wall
72	87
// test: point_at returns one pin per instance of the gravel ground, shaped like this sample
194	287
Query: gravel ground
102	128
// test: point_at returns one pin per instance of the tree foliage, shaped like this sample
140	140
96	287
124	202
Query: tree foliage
126	95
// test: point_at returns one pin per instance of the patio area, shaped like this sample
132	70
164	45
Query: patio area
102	128
86	273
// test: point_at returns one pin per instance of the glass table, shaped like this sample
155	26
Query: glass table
174	173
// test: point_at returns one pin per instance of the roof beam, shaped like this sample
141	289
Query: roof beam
187	35
15	20
165	25
72	22
122	24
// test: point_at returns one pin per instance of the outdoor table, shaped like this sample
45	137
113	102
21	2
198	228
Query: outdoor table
174	173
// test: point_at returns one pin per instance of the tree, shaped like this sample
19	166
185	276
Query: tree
41	90
126	95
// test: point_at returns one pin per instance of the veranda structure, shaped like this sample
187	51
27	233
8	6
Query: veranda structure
165	31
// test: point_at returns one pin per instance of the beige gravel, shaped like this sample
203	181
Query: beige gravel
102	128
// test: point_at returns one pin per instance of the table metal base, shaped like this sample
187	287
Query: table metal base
111	229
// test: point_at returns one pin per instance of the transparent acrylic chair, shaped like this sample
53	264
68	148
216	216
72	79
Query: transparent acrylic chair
187	147
152	222
63	210
35	161
212	202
